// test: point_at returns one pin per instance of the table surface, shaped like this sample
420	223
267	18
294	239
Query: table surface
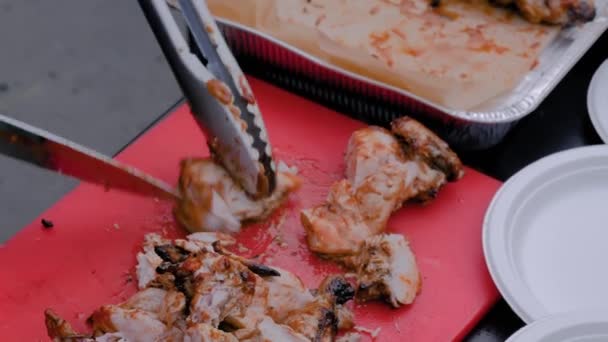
54	66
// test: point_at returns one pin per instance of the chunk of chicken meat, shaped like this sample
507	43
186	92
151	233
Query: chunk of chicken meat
206	333
58	329
213	201
168	306
134	324
417	140
219	288
319	319
336	227
148	260
268	330
387	270
149	315
555	12
384	170
286	293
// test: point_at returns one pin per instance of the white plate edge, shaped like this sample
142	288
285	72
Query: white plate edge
529	172
560	321
592	92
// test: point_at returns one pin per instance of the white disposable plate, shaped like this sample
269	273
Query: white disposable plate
597	101
545	235
585	326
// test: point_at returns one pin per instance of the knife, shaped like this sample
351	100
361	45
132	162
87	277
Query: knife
48	151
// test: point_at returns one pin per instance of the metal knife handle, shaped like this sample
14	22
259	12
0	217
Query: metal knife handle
43	149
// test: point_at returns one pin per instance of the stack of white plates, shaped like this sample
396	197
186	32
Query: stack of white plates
597	101
545	238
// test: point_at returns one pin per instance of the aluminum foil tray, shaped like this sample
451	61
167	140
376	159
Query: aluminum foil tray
377	103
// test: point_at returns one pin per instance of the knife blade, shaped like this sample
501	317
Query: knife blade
46	150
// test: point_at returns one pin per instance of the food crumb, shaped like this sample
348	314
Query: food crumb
156	199
397	327
116	226
47	223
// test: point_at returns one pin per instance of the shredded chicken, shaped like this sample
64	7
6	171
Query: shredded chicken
213	201
286	293
387	269
384	170
318	320
200	291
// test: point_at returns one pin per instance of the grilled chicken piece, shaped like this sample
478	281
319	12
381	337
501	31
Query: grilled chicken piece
215	287
134	324
168	306
418	140
199	291
384	170
318	320
222	288
58	329
336	227
555	12
257	268
207	333
268	330
213	201
286	293
148	261
387	269
200	241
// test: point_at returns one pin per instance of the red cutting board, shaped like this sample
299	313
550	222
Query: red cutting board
88	258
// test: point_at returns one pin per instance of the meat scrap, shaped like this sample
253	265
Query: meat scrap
194	289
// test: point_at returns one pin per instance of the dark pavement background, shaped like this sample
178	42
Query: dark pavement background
75	68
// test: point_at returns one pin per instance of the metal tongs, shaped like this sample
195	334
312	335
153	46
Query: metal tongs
217	91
